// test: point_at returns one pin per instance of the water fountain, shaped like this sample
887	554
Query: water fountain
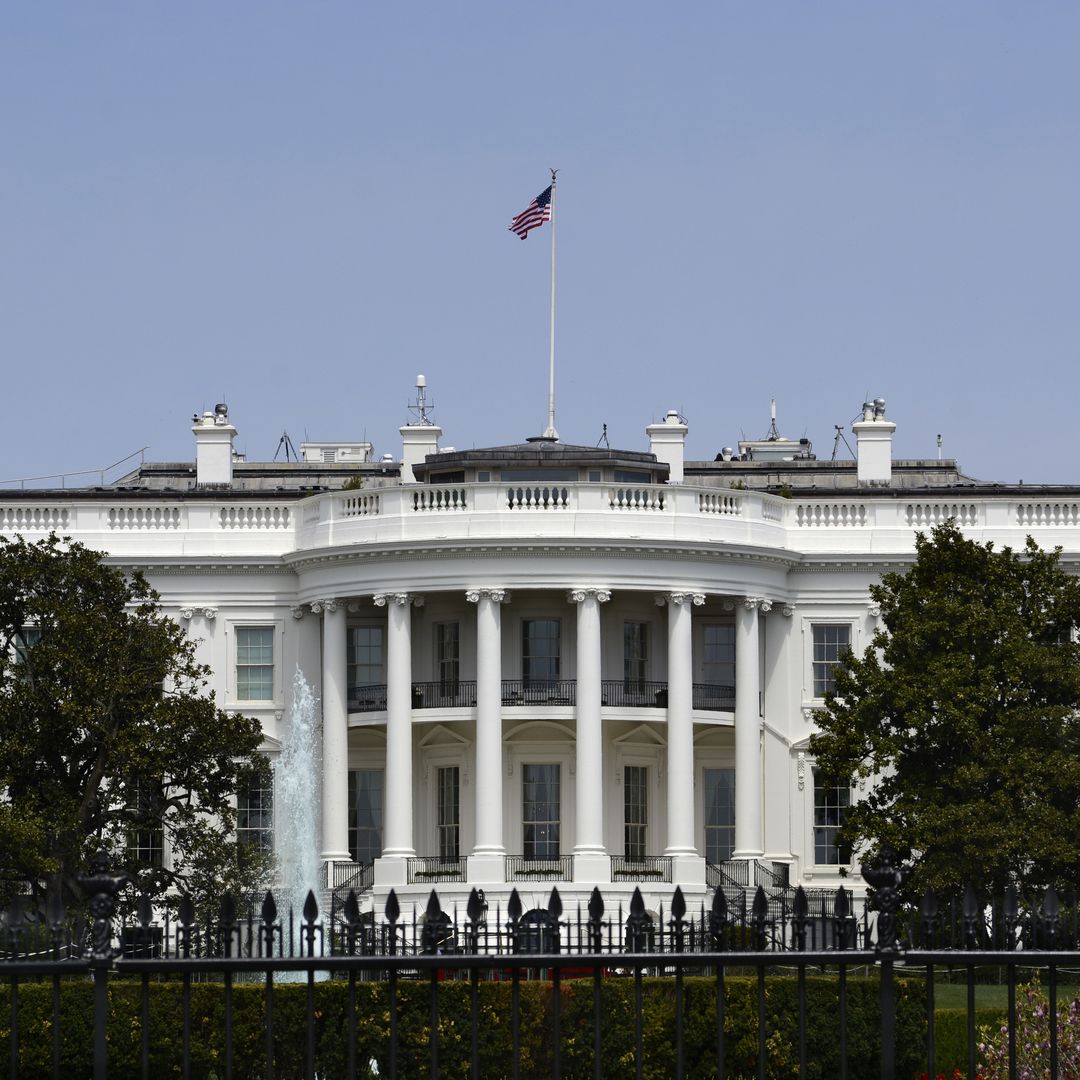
296	783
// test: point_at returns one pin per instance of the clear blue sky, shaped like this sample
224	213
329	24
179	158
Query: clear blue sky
300	206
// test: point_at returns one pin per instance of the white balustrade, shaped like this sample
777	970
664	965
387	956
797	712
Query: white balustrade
546	497
928	514
366	505
722	503
244	516
830	515
32	518
1048	514
438	499
636	498
144	518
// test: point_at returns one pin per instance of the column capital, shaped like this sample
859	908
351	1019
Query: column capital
187	614
328	604
210	613
874	610
577	596
788	610
695	599
496	596
758	602
401	599
297	611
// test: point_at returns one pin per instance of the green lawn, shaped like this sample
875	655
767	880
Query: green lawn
989	996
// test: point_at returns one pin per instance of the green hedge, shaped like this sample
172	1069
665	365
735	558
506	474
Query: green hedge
373	1018
950	1036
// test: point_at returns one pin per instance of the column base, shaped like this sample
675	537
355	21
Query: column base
749	856
486	868
688	870
391	872
592	868
328	858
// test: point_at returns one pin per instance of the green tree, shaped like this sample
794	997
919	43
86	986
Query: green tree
961	718
107	737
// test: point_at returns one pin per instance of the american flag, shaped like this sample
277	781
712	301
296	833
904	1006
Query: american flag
534	215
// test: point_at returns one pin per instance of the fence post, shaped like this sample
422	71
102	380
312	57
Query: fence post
101	887
885	877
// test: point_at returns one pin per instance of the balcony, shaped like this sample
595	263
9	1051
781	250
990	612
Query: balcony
615	693
436	868
520	868
641	869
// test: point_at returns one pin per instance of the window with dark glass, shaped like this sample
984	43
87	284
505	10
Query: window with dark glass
632	476
255	812
366	657
26	637
146	837
718	654
719	785
635	810
635	656
831	643
254	663
540	811
448	656
831	802
540	651
449	819
365	814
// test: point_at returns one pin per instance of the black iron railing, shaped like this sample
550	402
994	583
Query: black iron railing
644	868
538	691
633	694
353	875
367	698
713	697
445	694
735	872
435	868
521	868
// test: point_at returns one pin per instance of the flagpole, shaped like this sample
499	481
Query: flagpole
550	432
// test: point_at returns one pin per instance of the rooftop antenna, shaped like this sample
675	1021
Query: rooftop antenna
773	434
840	435
420	407
285	443
603	438
939	446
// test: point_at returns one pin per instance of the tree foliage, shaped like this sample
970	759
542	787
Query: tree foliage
106	731
961	719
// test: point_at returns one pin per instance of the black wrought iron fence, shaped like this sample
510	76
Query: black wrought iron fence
200	993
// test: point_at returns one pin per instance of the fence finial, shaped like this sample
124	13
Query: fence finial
102	888
885	876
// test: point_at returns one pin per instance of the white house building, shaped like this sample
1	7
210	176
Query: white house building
542	664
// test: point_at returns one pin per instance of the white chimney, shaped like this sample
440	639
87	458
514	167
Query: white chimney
667	440
874	444
213	446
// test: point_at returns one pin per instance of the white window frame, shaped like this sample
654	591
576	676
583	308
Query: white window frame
233	701
810	700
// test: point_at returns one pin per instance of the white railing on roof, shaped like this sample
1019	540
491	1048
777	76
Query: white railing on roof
923	514
246	516
830	515
1048	513
33	518
135	517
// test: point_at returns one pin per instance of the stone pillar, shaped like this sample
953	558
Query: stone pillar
748	833
591	861
487	863
398	820
335	732
680	732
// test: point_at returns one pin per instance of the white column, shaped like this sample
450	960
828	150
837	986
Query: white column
680	725
398	820
591	862
748	835
335	732
487	861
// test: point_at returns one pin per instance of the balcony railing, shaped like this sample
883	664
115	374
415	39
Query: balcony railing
559	868
435	868
367	698
538	691
445	694
633	694
714	697
353	875
643	868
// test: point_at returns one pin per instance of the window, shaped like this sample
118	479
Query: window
831	642
540	811
539	651
255	812
719	785
26	637
254	663
145	839
447	657
632	476
831	801
365	814
635	810
542	476
367	657
449	819
635	656
718	654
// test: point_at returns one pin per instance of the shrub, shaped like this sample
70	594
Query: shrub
1033	1039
